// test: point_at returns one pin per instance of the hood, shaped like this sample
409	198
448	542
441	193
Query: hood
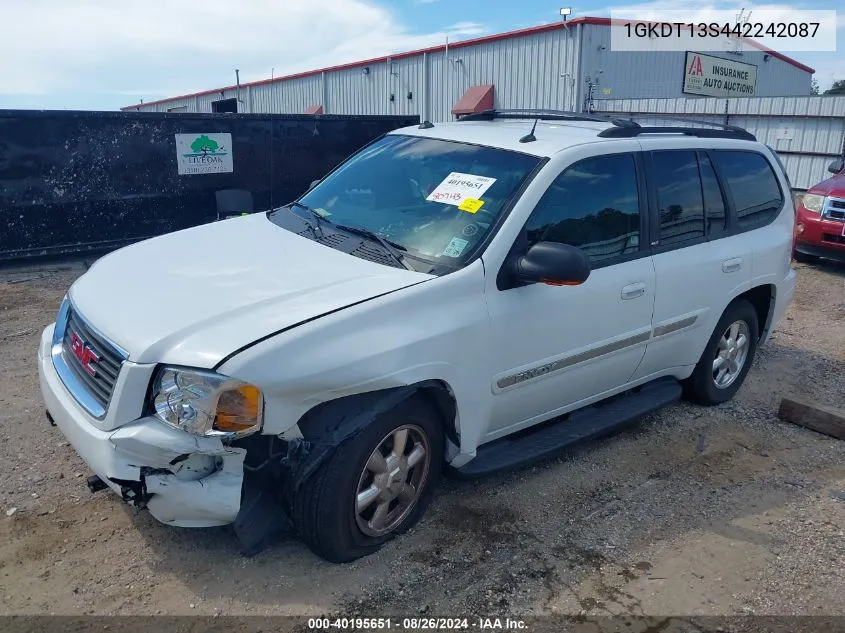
833	186
195	296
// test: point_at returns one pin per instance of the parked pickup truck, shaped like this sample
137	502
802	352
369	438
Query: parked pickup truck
820	225
473	295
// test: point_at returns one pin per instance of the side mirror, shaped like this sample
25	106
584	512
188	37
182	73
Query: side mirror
313	184
553	264
836	166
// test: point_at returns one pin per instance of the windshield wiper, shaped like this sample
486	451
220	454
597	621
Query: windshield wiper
316	216
391	247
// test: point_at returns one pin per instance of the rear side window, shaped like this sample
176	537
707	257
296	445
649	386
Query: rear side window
679	197
753	187
594	204
714	203
781	165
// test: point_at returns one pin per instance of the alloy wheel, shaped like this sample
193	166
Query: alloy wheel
731	354
392	480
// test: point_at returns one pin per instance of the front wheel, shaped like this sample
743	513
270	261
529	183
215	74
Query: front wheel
376	485
727	358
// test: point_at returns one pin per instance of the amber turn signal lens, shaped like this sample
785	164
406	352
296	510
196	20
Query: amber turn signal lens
556	282
238	409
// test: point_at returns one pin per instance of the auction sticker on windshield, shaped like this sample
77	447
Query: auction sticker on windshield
457	187
471	205
455	247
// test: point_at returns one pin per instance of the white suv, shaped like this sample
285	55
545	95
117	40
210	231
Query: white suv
427	303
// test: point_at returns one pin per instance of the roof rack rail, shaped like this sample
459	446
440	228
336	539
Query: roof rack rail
722	130
723	126
544	115
629	132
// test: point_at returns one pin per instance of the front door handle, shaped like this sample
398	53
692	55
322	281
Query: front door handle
732	265
632	291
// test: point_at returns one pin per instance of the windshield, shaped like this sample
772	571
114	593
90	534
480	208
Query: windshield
435	199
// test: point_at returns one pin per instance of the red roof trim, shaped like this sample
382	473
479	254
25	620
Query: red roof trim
436	49
782	57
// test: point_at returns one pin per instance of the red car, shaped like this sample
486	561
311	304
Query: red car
820	223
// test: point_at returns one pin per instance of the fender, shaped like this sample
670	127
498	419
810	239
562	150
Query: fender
273	477
375	348
329	424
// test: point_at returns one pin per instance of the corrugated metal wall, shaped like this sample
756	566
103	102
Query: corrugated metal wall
545	69
297	95
816	125
526	72
395	87
639	75
537	70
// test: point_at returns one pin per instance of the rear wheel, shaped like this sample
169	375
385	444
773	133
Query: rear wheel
727	358
376	485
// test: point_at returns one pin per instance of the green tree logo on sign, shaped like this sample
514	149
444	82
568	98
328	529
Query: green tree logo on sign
204	145
207	153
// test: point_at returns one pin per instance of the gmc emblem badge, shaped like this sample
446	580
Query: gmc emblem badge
83	352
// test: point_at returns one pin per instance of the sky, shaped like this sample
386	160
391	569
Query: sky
103	54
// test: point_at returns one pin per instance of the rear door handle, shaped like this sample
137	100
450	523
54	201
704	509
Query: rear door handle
732	265
632	291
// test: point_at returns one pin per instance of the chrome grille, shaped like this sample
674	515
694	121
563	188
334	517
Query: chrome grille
92	390
834	209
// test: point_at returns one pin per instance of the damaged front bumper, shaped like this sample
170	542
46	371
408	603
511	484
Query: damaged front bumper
182	479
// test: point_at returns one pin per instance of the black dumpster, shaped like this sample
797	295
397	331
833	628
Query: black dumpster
73	182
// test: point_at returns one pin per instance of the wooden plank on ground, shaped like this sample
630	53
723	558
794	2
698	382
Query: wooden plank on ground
819	418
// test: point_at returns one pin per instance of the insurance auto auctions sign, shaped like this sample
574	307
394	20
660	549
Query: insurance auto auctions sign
716	77
204	153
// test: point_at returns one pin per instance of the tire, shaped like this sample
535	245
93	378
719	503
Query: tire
804	258
703	387
324	509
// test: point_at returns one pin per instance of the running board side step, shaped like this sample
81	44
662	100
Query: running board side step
550	439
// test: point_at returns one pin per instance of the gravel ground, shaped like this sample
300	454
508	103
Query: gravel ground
696	511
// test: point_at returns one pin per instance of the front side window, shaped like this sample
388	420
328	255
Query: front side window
679	198
594	205
434	199
753	186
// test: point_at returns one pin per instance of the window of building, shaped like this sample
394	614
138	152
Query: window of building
594	204
753	187
225	105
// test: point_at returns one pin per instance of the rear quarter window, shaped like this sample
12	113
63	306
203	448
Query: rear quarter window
779	161
753	186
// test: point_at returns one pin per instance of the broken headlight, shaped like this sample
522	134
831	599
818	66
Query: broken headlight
206	403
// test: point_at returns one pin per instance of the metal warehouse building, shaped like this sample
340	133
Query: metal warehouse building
564	66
